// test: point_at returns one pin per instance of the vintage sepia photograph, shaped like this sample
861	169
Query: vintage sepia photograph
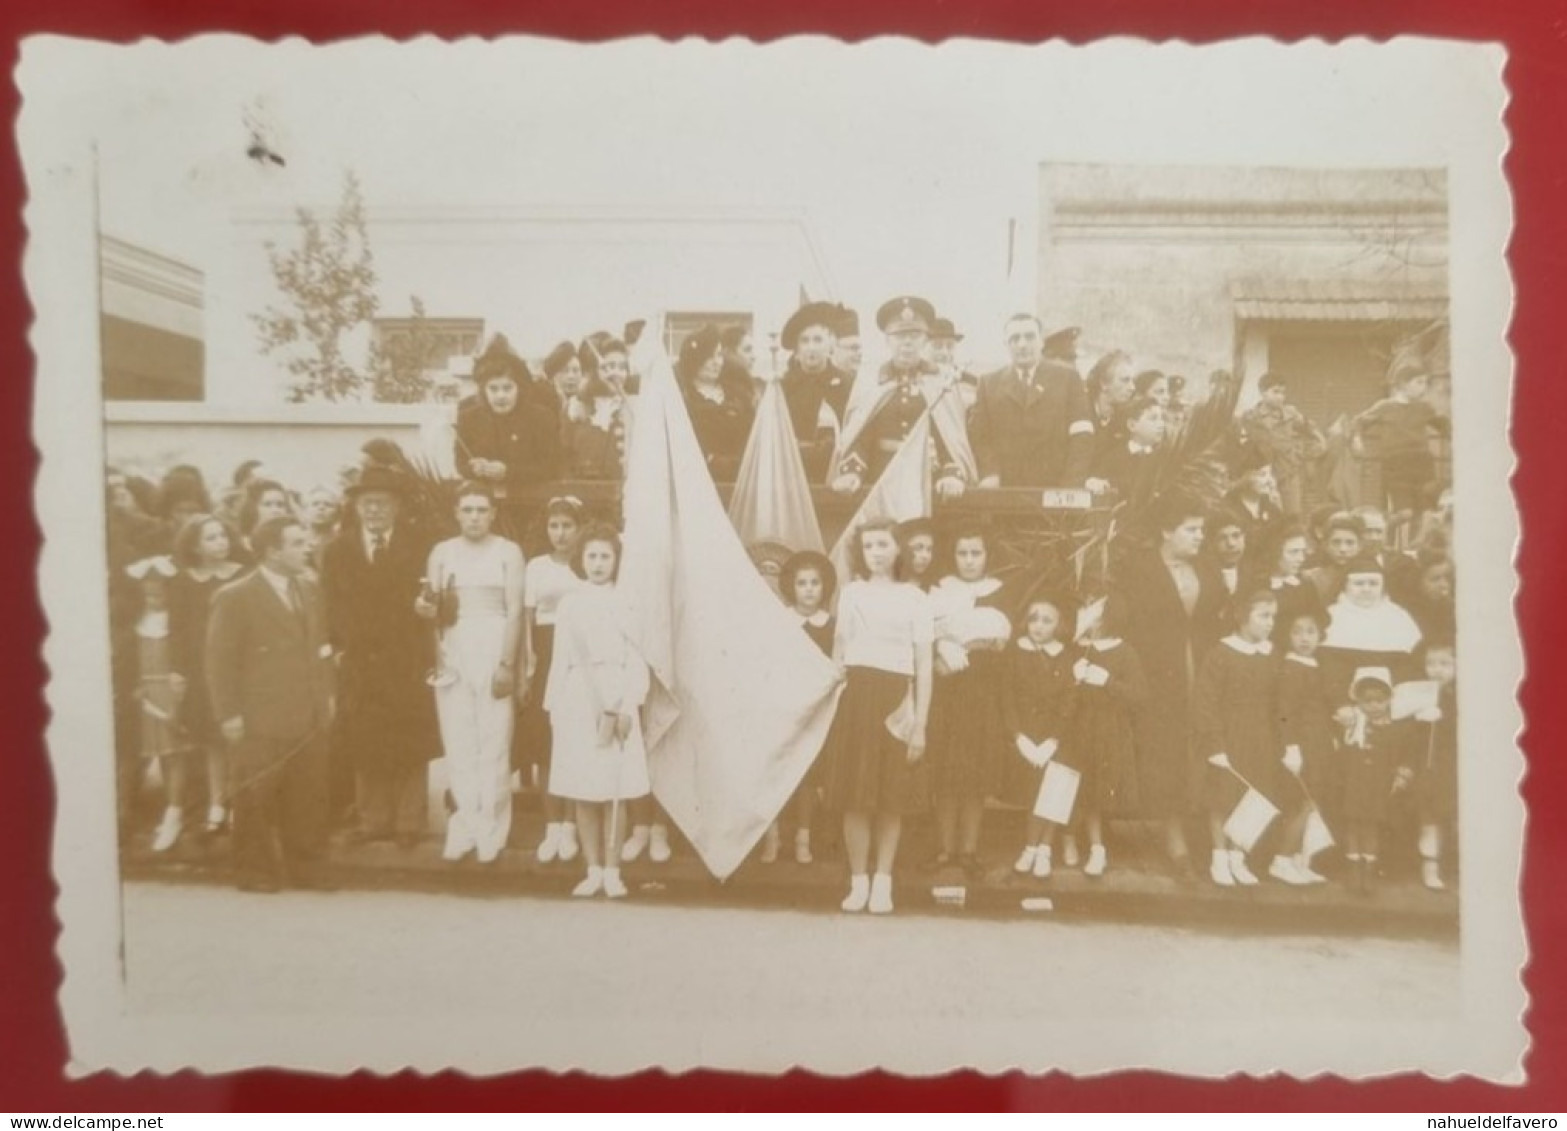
692	554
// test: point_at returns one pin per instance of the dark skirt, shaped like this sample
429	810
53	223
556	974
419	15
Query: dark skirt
532	737
1101	745
867	769
965	733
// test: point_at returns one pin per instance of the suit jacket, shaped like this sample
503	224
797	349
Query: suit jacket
1035	433
267	664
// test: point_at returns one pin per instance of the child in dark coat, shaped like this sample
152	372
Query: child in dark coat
1036	706
1101	733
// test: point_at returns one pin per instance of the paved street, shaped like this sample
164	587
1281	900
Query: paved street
201	949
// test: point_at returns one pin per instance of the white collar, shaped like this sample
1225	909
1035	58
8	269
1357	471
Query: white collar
1281	582
1105	644
817	619
1053	649
1230	571
984	587
223	572
1304	661
1248	649
369	538
1139	449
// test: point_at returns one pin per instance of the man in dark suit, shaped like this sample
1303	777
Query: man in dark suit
371	575
270	675
1031	425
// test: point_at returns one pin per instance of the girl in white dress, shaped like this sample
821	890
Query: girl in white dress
597	685
473	591
550	577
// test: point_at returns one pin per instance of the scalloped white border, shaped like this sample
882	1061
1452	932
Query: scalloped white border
1453	97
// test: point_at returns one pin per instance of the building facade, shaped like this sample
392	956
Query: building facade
1314	273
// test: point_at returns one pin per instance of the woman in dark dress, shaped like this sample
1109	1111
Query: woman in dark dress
1174	602
203	551
1235	729
721	410
966	739
508	439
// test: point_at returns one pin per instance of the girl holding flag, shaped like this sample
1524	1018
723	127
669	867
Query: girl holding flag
1235	729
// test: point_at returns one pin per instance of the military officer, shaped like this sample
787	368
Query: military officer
880	417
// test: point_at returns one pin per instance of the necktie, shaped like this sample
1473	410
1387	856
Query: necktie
377	547
296	601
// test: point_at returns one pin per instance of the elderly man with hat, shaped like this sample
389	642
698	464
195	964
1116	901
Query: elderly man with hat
880	417
943	354
370	575
1032	425
815	391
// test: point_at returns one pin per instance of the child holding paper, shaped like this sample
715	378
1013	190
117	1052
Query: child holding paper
1110	690
1035	705
1306	728
1436	766
1235	727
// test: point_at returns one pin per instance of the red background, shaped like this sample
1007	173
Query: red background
32	1040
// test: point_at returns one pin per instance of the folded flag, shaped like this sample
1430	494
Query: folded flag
771	506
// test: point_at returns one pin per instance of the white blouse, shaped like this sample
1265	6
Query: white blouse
880	625
545	583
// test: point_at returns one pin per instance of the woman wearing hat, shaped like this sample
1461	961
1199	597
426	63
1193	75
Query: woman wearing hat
508	439
815	391
721	411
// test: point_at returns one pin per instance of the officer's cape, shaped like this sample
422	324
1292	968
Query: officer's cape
871	393
741	697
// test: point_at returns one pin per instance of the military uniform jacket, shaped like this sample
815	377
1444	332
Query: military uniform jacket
880	418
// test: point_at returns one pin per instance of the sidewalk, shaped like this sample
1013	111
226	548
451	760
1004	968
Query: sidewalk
1134	890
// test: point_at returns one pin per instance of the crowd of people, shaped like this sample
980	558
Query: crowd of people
291	660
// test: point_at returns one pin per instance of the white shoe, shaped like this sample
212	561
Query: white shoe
859	893
217	816
1283	869
1242	874
1042	862
1069	855
568	842
1098	861
614	888
1219	869
802	847
1428	844
591	884
636	844
770	845
549	847
658	846
1431	875
169	830
881	894
1303	869
1025	860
